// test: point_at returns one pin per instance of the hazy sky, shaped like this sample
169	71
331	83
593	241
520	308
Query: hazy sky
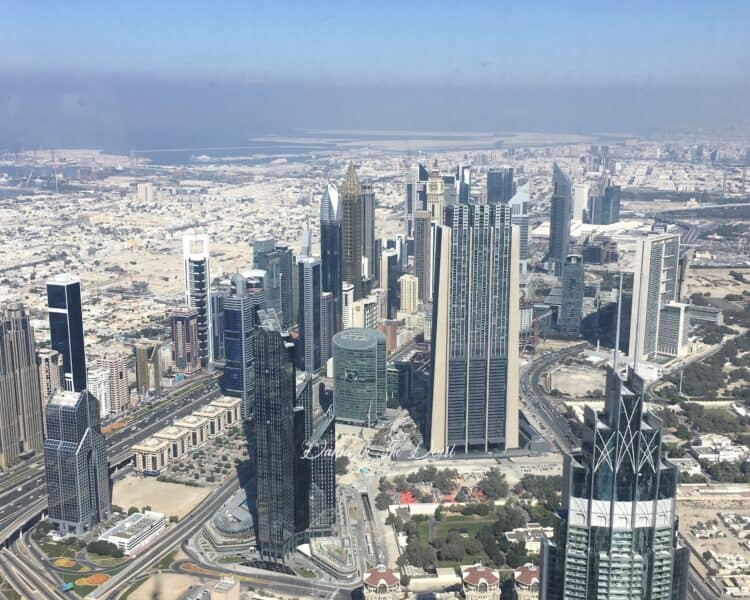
91	70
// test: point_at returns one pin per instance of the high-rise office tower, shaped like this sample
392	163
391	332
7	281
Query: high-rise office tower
389	274
616	536
217	323
519	204
278	262
604	209
366	311
330	250
309	315
359	370
147	366
21	426
423	253
320	449
185	341
327	329
368	229
410	202
409	285
571	306
450	189
435	194
475	321
463	175
98	383
654	286
75	463
119	397
500	185
66	328
559	224
50	372
277	464
350	196
347	305
198	290
240	320
581	201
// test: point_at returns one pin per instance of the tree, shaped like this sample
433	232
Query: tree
104	549
493	485
382	501
132	510
342	465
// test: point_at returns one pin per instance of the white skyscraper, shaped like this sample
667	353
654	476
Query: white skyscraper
98	382
409	292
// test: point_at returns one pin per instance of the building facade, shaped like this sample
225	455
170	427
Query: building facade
359	370
75	463
119	396
350	196
330	250
185	342
21	426
409	285
475	368
309	315
423	253
571	304
198	290
616	536
147	366
500	185
66	328
278	262
559	225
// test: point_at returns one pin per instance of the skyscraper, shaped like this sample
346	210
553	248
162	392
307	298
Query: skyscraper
278	262
604	209
327	330
368	229
389	274
240	320
274	425
423	253
66	328
500	186
21	426
50	372
559	224
217	324
359	370
347	305
520	217
309	315
98	383
147	366
185	344
616	536
409	292
571	308
198	290
350	195
119	397
435	194
330	250
654	286
475	322
75	462
320	451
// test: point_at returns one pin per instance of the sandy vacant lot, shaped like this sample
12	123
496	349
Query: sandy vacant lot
167	586
168	498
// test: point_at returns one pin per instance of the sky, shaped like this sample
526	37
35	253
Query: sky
120	72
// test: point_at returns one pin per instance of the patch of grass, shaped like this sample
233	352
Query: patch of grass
105	561
57	550
167	561
7	590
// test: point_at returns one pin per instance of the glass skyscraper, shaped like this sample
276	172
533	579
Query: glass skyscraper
561	211
278	262
359	364
330	250
21	426
352	214
198	291
500	185
475	322
66	328
616	537
571	304
309	314
75	462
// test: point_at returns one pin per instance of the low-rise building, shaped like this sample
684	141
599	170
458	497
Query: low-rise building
531	535
135	531
198	428
713	447
214	416
231	408
480	583
526	581
381	583
151	456
178	438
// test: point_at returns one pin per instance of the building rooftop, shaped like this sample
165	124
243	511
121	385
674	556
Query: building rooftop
476	574
63	279
133	525
358	338
190	421
226	402
150	444
210	411
172	432
64	398
380	574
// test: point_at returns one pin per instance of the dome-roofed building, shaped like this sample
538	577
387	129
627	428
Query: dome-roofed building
480	583
382	583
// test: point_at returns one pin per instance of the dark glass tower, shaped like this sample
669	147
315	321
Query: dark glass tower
352	213
423	253
278	262
571	307
559	224
75	462
198	290
500	186
240	310
66	328
475	318
616	537
21	427
605	209
281	487
330	250
368	229
309	314
320	451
